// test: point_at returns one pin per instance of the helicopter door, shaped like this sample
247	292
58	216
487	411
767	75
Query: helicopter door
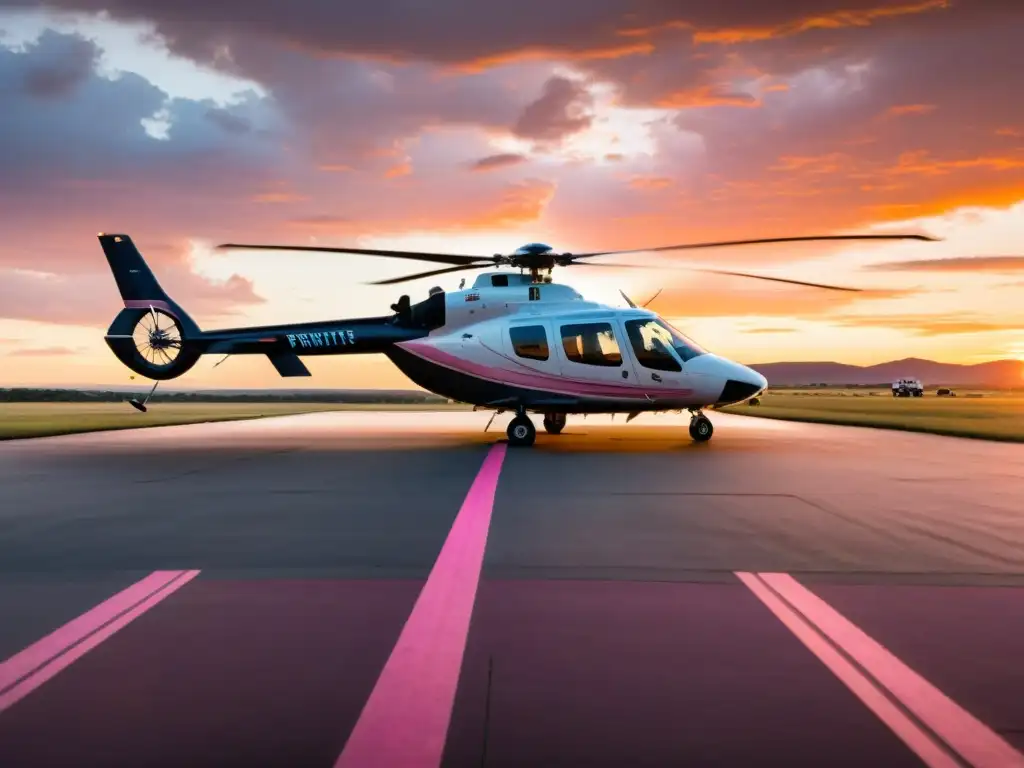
592	351
657	364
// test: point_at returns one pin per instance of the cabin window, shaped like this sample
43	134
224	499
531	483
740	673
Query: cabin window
651	342
499	281
591	344
530	341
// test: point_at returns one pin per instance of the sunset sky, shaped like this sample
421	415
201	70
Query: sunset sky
477	127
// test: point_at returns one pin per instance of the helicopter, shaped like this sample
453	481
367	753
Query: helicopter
509	342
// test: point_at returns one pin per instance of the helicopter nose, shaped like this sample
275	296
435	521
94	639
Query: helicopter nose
739	382
741	385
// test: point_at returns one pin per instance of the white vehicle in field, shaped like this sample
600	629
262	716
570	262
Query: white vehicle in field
907	388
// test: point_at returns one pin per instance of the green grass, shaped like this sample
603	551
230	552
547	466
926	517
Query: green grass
20	420
993	416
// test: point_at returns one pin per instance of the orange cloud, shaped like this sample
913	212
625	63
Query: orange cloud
334	168
542	53
1016	133
910	109
832	20
931	325
979	194
397	171
706	96
919	162
520	203
830	163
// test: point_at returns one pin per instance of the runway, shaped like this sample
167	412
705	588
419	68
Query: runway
404	589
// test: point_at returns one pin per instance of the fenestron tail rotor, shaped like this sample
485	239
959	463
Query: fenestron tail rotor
537	257
158	338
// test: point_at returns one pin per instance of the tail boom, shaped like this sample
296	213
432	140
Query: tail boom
154	337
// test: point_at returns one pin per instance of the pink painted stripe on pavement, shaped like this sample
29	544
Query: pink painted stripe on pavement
27	670
404	723
922	744
974	741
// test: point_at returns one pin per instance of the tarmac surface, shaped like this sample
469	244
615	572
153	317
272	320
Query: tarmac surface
404	589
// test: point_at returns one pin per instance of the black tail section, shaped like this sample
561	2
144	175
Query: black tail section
156	338
152	335
134	279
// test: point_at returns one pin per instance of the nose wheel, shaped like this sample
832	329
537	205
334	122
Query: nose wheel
521	431
701	428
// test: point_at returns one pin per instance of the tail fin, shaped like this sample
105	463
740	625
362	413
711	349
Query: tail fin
162	351
136	283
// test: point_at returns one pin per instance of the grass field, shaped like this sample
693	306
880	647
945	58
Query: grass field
993	416
19	420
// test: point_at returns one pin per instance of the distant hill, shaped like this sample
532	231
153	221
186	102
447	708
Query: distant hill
999	373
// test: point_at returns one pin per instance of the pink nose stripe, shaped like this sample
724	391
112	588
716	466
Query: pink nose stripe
975	742
27	670
405	721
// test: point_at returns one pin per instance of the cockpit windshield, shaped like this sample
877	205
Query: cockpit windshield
651	340
684	345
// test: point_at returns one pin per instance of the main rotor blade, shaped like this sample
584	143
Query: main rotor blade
446	270
439	258
758	241
724	272
781	280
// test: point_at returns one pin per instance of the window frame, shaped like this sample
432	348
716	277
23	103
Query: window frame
532	326
603	326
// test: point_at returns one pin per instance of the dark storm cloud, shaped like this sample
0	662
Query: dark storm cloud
94	131
492	162
561	110
70	63
81	161
468	32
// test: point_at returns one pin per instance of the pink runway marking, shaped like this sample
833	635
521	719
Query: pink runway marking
27	670
405	721
975	742
905	728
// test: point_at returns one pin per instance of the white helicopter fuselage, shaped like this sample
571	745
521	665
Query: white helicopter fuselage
543	347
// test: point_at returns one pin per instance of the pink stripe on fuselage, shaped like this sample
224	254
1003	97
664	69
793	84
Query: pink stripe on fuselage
536	380
405	721
973	740
25	671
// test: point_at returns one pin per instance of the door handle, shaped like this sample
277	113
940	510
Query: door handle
656	377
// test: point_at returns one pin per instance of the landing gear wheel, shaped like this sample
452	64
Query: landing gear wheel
521	431
554	423
701	428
